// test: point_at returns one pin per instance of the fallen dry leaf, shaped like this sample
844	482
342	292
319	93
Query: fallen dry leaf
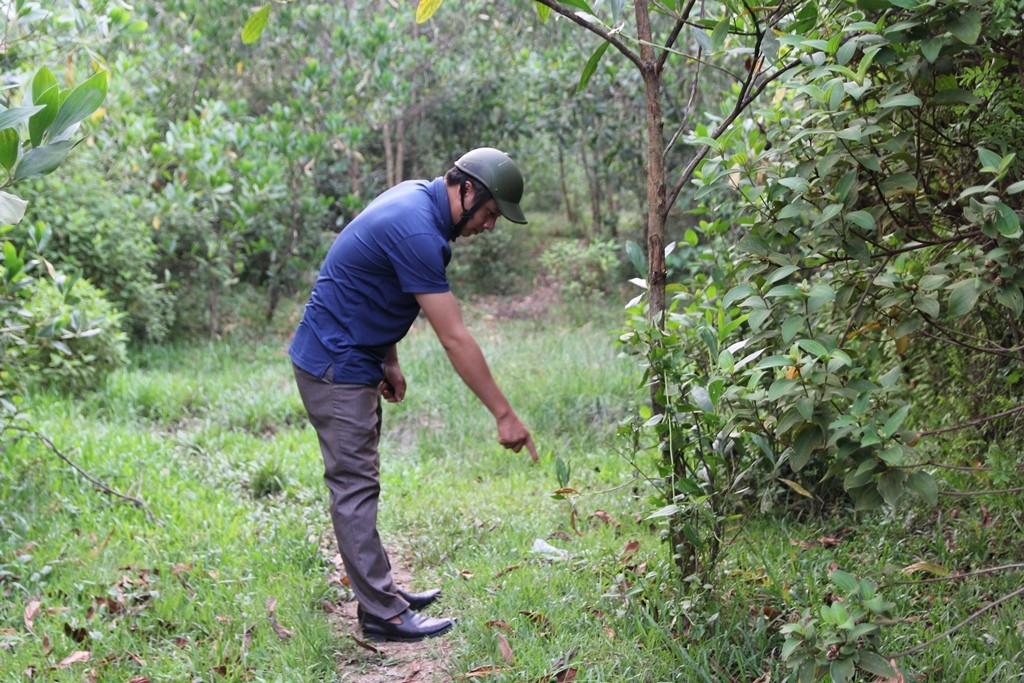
281	631
506	570
76	634
565	675
506	649
630	548
367	646
139	679
605	517
466	574
31	612
500	625
77	657
480	672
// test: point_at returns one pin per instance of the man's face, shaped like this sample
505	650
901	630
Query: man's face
482	220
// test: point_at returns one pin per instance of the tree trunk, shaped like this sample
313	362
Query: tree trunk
594	189
389	156
570	212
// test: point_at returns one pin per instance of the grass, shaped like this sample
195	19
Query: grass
213	438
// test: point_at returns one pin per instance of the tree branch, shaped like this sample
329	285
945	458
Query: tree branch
961	575
974	494
974	423
573	15
676	30
974	615
91	479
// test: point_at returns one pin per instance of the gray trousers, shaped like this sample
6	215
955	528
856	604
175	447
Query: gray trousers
347	420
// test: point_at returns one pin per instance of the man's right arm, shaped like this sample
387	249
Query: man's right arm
442	310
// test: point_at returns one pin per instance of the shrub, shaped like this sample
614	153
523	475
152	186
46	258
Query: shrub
83	340
497	262
582	269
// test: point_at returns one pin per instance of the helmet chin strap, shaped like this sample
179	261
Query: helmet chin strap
466	213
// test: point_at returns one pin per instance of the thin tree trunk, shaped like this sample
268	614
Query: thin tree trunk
594	190
570	212
389	156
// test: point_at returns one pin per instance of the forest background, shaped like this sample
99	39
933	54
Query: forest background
812	210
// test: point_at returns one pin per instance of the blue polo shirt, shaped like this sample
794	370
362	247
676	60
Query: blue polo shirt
364	300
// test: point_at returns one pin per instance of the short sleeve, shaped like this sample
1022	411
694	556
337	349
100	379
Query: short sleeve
419	262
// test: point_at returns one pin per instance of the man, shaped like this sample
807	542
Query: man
385	267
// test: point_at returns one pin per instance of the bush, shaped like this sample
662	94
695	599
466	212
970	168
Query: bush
85	340
584	269
497	262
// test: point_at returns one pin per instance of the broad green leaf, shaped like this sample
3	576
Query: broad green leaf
257	22
578	4
876	664
591	66
45	93
819	295
736	293
898	182
806	441
426	9
929	305
690	237
963	296
42	160
780	388
12	208
955	96
967	27
844	581
893	424
989	159
924	485
9	146
720	33
785	291
1007	221
866	499
83	101
791	326
17	115
1015	188
780	273
841	670
932	47
904	100
890	486
930	282
812	347
543	11
774	362
1009	295
862	219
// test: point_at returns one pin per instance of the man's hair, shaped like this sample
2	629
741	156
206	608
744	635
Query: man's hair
456	176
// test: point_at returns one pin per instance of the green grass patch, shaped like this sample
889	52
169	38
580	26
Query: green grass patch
213	438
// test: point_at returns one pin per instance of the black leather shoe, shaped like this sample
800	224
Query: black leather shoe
418	601
413	628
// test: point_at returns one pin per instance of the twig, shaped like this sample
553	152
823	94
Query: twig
989	492
961	575
91	479
975	422
995	603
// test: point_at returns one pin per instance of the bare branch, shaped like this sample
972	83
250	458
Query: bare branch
573	15
961	575
91	479
975	422
974	615
989	492
676	30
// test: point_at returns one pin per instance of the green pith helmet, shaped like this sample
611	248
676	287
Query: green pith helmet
500	176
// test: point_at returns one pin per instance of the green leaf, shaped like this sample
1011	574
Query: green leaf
45	93
895	422
963	296
720	33
42	160
924	485
690	237
932	47
890	486
898	182
784	291
1007	221
862	219
1009	295
257	21
904	100
12	208
989	159
819	295
967	27
812	347
17	115
543	11
1015	188
844	581
806	441
955	96
578	4
591	66
780	388
874	663
736	293
10	144
85	99
791	326
780	273
841	670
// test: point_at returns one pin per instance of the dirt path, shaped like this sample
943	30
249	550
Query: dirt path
360	661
